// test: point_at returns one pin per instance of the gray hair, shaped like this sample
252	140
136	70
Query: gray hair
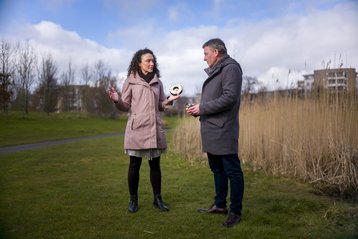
216	43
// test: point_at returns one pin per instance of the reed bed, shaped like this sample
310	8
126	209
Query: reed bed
186	139
313	139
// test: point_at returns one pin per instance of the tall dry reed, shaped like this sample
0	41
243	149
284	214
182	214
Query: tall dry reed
314	139
186	139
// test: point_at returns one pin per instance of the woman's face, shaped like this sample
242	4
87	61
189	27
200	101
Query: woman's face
147	63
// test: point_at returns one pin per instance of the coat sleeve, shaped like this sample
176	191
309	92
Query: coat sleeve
231	91
124	102
163	102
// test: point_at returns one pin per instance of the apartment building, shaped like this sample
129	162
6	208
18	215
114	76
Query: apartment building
334	80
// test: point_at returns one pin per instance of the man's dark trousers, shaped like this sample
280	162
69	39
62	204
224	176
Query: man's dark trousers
227	167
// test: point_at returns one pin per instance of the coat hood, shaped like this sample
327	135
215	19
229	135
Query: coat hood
137	80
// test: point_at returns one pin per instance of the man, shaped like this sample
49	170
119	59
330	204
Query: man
219	121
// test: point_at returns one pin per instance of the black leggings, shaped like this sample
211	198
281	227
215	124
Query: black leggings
133	175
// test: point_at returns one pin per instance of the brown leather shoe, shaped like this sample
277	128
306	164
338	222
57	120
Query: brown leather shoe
232	220
213	209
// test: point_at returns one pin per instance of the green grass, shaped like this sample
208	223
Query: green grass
79	190
38	127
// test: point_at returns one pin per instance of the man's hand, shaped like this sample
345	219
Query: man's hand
193	110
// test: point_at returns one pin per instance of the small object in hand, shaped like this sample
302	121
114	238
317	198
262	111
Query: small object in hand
176	89
188	105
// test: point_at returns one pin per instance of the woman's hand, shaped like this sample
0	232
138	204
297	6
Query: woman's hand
113	94
173	97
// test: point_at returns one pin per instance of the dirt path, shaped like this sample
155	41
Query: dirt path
17	148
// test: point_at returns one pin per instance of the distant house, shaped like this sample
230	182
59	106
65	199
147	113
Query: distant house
306	84
71	98
339	80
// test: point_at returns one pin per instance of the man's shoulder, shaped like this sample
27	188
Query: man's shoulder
230	62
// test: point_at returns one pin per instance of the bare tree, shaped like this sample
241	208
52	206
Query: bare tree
26	75
67	90
6	74
48	84
87	74
104	107
87	102
248	84
101	71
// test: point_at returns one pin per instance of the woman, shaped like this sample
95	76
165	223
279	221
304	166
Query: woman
143	97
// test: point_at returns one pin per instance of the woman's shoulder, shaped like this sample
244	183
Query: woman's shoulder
133	79
156	78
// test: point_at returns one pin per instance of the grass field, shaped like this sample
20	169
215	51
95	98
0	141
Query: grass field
79	190
38	127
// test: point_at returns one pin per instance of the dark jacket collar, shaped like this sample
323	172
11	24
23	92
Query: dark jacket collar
218	65
224	61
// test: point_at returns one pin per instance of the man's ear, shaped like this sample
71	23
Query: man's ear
216	52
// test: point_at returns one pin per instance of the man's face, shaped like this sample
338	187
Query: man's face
210	56
147	63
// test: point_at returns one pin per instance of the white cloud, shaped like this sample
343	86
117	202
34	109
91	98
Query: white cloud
267	49
179	53
135	37
279	78
216	8
178	12
173	14
297	42
64	46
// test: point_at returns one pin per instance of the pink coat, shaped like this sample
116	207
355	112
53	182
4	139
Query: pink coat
143	102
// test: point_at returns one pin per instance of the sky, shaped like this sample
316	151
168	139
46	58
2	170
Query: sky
276	41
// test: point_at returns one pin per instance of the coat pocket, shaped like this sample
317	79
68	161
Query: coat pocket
140	121
217	122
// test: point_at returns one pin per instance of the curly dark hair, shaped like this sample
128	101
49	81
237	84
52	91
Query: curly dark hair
134	67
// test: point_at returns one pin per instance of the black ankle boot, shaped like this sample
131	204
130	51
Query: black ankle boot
158	203
133	204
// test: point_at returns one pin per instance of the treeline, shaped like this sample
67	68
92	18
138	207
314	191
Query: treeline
32	83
